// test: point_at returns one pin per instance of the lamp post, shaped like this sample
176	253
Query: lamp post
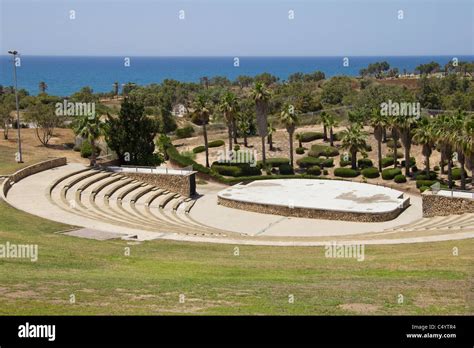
19	158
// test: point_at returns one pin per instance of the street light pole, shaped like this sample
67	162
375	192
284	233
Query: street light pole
19	158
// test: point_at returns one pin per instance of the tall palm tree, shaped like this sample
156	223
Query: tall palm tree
469	147
424	135
229	108
443	127
261	96
90	128
393	125
330	124
378	122
244	123
354	140
289	118
405	126
460	142
201	117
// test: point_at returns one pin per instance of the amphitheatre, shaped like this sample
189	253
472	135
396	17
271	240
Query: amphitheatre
128	203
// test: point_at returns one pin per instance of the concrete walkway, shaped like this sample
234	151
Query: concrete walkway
30	195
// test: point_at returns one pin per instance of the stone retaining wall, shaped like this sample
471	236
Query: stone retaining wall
308	212
436	205
30	170
185	184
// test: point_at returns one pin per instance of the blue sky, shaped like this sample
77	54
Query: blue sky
237	27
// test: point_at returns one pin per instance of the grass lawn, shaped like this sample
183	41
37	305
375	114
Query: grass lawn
214	281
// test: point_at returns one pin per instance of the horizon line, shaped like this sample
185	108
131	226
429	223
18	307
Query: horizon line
241	56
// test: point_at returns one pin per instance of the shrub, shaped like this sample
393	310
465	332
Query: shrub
286	169
325	172
299	150
420	183
275	162
346	172
307	162
412	162
185	132
200	148
184	161
387	161
389	174
314	170
368	147
400	178
237	148
327	163
227	170
86	149
323	150
306	137
456	174
423	176
344	163
370	173
216	143
390	144
436	168
364	163
189	154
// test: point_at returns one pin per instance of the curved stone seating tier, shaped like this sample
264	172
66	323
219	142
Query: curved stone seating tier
118	200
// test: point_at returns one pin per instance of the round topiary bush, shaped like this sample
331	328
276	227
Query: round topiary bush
424	188
456	174
327	163
314	170
300	150
237	148
286	169
436	168
306	137
325	172
364	163
346	172
420	183
412	162
390	143
370	173
387	162
389	174
400	178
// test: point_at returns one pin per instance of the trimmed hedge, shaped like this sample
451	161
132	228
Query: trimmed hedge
399	155
184	161
286	169
274	162
424	188
387	162
346	172
199	149
227	170
307	162
389	174
323	150
400	178
343	163
365	163
314	170
370	173
390	144
216	143
327	163
300	150
412	162
185	132
306	137
244	169
420	183
423	176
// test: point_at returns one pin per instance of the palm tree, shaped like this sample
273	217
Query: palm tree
42	87
270	132
443	128
289	118
330	124
354	140
378	122
261	96
244	123
90	128
324	117
469	147
424	135
392	124
405	126
229	108
200	117
460	142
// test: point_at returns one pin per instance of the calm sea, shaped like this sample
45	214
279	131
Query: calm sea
66	75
